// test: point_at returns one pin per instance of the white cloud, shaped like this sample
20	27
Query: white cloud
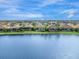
3	1
17	13
28	15
70	13
76	4
11	10
8	3
49	2
66	3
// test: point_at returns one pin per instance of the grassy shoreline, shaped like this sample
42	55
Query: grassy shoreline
37	33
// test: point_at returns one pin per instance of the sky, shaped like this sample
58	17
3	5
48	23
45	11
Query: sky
39	9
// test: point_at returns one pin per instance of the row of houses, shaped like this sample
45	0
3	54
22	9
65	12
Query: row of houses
38	26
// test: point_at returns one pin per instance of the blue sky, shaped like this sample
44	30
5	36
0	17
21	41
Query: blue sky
39	9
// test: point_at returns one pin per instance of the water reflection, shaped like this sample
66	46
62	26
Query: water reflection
39	47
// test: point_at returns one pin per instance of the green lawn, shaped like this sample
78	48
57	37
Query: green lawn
33	32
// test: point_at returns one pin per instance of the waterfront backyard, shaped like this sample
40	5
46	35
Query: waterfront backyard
39	27
55	46
38	33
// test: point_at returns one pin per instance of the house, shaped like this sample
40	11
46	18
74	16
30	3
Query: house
77	28
72	25
27	26
61	25
52	26
1	25
4	25
39	27
12	26
67	28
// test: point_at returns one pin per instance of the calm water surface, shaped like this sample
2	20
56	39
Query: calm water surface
39	47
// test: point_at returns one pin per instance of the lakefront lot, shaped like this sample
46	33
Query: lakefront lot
39	27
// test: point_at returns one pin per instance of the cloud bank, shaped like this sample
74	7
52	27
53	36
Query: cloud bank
41	9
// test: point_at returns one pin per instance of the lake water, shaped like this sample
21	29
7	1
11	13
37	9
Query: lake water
39	47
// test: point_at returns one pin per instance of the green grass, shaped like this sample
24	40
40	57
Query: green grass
33	32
